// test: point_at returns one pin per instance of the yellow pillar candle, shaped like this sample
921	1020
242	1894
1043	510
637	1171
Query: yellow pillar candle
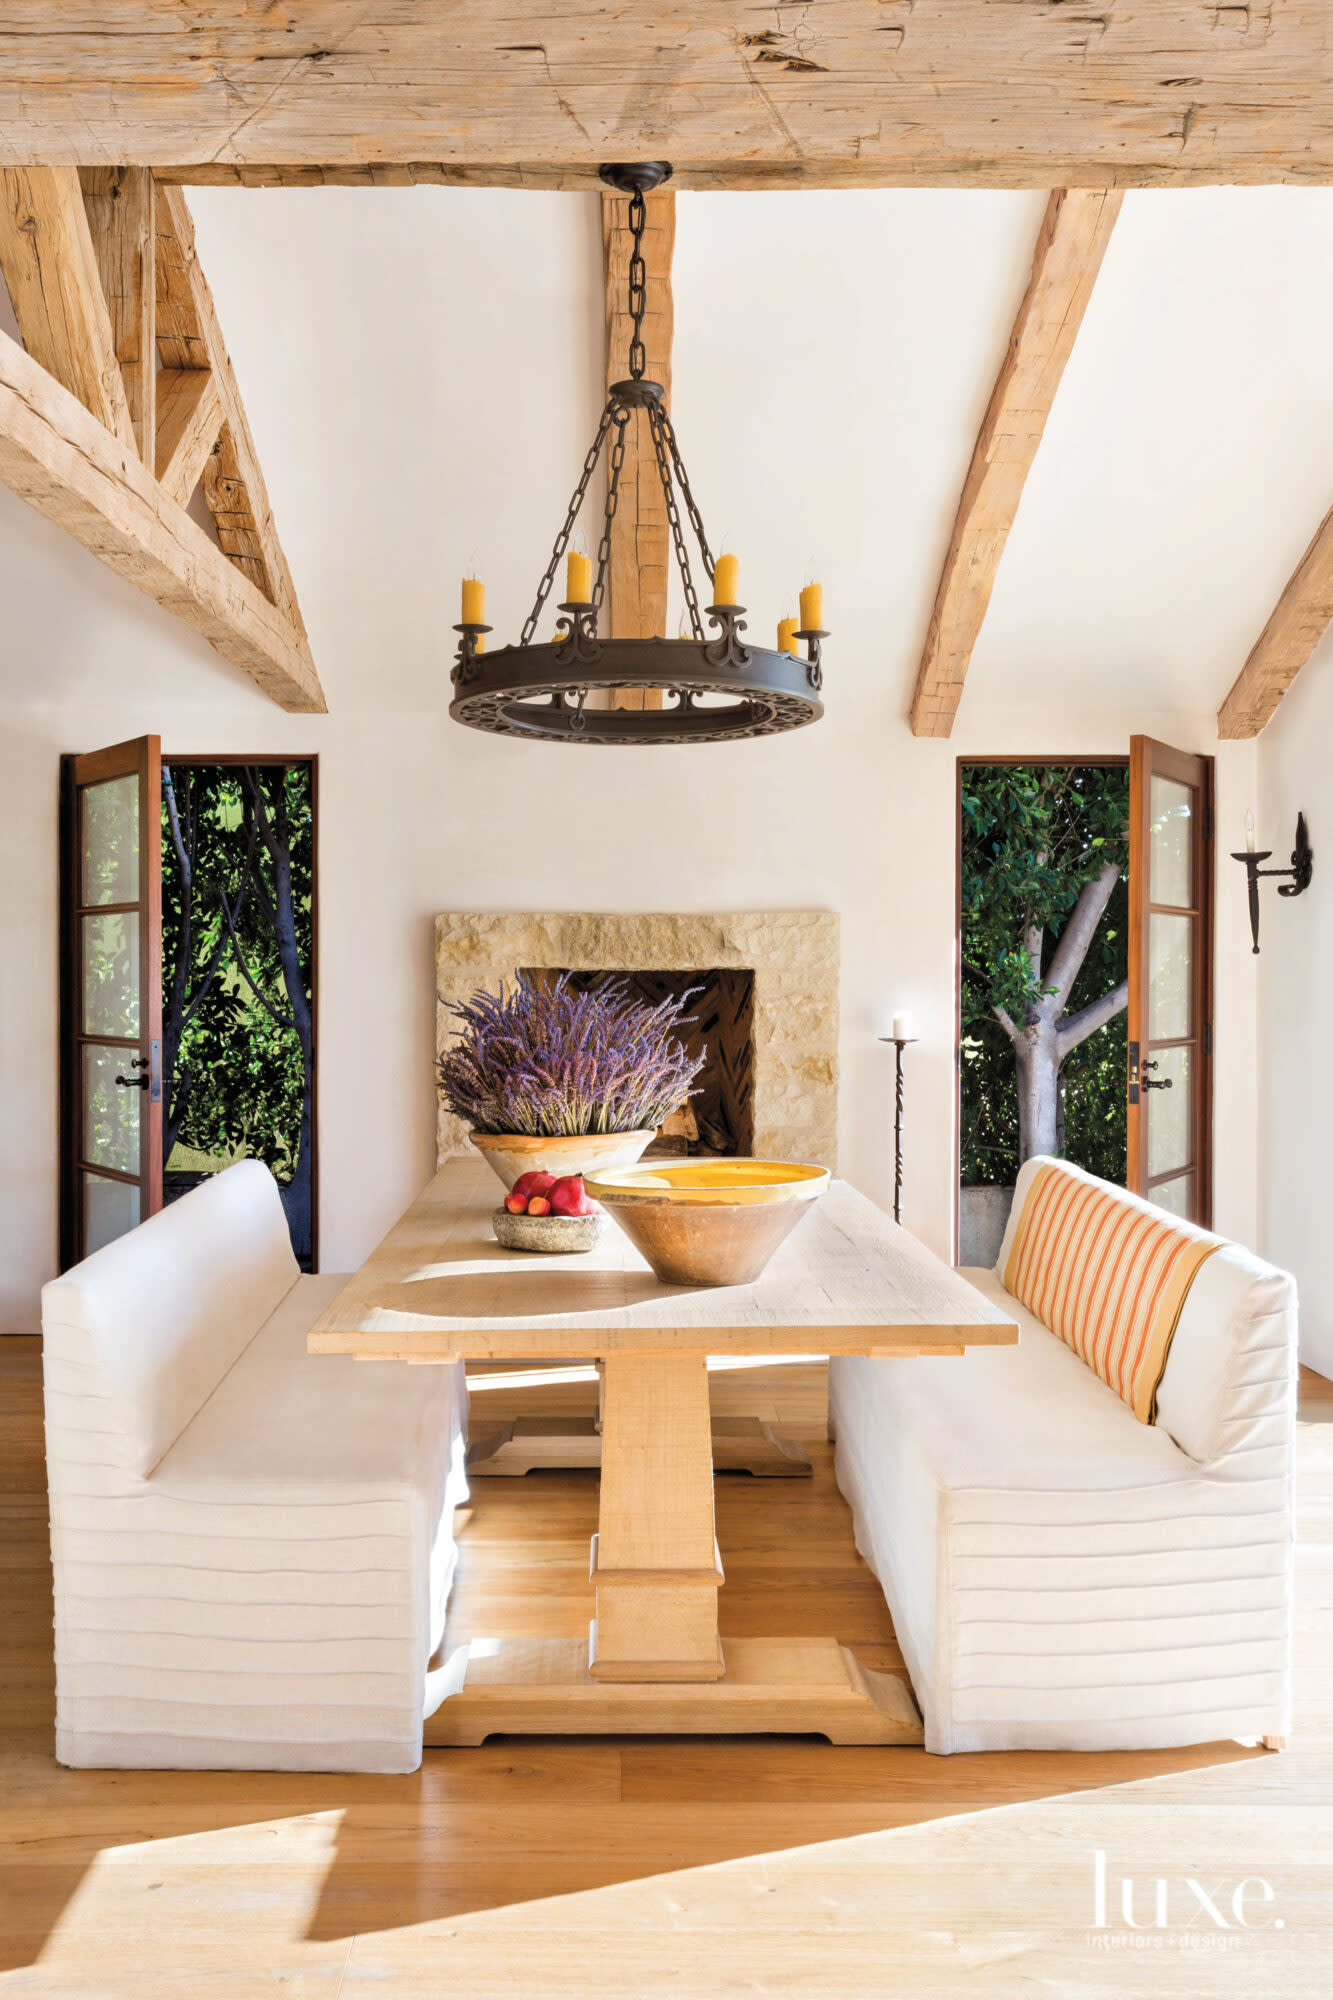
578	578
726	580
787	636
812	607
474	602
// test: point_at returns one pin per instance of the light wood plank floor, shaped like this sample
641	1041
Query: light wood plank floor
540	1869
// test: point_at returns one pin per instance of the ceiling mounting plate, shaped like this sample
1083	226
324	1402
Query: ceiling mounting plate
636	177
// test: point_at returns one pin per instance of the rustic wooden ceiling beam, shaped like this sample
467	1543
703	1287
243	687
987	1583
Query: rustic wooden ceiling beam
189	422
50	267
57	456
640	532
757	176
1299	621
1070	245
852	92
119	205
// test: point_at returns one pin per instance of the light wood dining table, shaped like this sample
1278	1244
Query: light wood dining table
848	1281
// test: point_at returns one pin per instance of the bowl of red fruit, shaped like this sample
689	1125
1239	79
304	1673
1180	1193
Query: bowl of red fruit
549	1212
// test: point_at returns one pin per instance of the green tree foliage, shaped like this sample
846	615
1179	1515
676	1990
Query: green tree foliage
236	938
1033	837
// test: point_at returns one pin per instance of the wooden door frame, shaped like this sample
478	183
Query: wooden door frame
961	763
1193	769
78	770
310	758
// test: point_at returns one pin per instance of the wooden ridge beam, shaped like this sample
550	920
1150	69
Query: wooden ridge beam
1070	245
1299	621
997	169
640	561
50	268
869	92
57	456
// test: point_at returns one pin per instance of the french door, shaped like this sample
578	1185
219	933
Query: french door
111	994
1169	1079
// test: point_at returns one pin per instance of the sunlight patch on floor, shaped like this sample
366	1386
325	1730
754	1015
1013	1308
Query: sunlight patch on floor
171	1908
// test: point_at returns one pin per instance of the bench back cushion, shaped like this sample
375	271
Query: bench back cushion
1109	1276
161	1314
1215	1325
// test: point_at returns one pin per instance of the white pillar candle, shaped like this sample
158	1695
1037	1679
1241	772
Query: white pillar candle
1249	832
902	1027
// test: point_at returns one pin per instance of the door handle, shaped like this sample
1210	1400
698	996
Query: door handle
1149	1083
135	1082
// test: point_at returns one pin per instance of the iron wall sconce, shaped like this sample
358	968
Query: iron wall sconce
1300	872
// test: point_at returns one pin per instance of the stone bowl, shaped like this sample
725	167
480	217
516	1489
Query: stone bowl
556	1235
708	1222
509	1154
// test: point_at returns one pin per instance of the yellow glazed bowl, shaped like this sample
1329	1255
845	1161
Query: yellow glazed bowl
708	1222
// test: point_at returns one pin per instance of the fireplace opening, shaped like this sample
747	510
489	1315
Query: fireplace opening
720	1119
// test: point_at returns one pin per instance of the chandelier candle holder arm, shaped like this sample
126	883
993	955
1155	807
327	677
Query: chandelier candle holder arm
716	689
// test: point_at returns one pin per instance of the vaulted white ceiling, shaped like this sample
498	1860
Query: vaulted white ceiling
833	355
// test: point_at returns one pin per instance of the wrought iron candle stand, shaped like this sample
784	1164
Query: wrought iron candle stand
715	689
899	1042
1300	871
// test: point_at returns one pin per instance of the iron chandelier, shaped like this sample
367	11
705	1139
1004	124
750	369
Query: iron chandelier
715	689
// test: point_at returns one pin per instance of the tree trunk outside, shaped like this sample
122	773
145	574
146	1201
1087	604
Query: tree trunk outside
1037	1057
1048	1034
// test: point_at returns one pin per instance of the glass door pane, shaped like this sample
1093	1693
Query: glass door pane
111	1117
1171	806
109	862
110	958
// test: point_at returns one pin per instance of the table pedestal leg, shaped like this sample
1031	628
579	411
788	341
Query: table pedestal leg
654	1559
655	1664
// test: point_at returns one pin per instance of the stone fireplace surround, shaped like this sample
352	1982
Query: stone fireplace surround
792	954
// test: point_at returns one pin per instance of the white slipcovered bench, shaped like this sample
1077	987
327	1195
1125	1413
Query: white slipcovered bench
252	1546
1062	1576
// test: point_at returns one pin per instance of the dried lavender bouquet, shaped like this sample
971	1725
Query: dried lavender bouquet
547	1061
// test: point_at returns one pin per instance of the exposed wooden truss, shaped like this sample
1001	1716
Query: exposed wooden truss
189	423
58	457
1020	94
640	533
1299	621
120	204
103	278
50	266
1070	245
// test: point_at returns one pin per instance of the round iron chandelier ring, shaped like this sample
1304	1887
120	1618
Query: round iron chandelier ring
544	691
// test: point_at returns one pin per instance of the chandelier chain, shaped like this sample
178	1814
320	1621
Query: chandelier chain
691	505
656	418
612	502
638	287
562	539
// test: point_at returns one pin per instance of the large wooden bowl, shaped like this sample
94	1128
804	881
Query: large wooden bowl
708	1222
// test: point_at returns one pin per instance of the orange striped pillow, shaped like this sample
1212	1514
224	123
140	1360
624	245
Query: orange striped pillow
1106	1276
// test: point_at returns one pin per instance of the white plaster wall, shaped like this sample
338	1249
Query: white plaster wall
1296	980
382	339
